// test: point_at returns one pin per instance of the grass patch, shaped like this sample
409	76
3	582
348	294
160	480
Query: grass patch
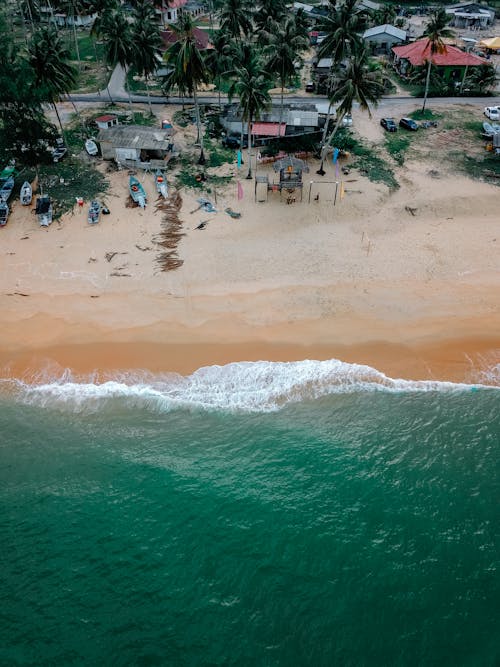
397	144
216	155
427	114
484	169
69	179
367	159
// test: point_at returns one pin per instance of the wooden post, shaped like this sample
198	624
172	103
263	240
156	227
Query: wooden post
310	187
336	190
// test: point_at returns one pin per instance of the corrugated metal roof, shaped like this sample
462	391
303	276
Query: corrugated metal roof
386	28
269	129
136	136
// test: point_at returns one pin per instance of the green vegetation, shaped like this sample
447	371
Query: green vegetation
396	144
486	168
367	159
427	114
215	154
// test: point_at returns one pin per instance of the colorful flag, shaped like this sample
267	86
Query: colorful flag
336	152
240	190
342	192
239	159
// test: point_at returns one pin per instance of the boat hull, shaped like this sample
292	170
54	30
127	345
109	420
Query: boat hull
137	192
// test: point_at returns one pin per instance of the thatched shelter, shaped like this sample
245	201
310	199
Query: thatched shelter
290	169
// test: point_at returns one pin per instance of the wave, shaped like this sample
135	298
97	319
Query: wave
261	386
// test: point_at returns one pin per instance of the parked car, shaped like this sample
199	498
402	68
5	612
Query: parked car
408	124
233	141
493	113
310	87
347	120
388	124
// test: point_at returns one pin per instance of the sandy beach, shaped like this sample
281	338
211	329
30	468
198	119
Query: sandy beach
406	281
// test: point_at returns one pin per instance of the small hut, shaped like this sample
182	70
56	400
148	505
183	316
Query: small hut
290	169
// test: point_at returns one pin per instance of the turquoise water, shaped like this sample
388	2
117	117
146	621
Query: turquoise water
325	516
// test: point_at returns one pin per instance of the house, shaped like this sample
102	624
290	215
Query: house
136	145
367	6
168	11
472	15
381	38
201	37
450	64
62	20
296	119
109	120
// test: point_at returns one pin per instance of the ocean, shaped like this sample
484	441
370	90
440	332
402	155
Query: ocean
309	513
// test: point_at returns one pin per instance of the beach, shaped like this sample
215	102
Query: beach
406	281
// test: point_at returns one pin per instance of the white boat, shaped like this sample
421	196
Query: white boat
94	212
44	211
26	194
161	183
4	212
91	147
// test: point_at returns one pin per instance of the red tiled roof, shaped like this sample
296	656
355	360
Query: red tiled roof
105	119
201	38
418	53
269	129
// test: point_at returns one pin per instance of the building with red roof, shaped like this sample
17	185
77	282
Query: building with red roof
450	64
201	37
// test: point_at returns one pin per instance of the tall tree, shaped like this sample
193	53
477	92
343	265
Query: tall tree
235	18
354	84
118	44
251	85
283	48
435	31
147	42
219	58
188	65
269	12
50	59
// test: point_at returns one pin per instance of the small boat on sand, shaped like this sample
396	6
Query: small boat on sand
137	192
8	170
161	183
94	212
4	212
26	194
6	187
91	147
44	211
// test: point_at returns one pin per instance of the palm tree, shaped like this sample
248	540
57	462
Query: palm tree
234	18
219	59
269	12
147	41
189	68
356	84
50	59
118	45
251	85
284	43
435	31
483	78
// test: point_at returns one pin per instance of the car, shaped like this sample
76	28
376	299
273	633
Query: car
347	120
233	141
408	124
493	113
310	87
388	124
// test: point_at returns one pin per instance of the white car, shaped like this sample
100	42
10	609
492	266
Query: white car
347	120
493	113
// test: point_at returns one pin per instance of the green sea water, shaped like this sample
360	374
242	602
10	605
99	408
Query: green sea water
351	527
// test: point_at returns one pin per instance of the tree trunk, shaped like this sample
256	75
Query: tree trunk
427	82
109	94
128	93
58	118
197	112
149	96
463	78
249	174
324	149
76	39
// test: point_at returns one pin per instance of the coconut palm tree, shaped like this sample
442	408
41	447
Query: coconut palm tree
435	31
283	45
268	12
235	18
355	84
219	58
50	59
118	44
482	78
189	67
251	85
147	41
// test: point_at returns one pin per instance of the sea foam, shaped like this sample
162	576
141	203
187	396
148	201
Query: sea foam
243	386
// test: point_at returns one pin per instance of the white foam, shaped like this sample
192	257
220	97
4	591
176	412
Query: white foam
247	386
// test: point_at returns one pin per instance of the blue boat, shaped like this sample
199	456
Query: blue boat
137	192
6	187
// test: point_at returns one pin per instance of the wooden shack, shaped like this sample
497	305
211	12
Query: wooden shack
290	170
137	146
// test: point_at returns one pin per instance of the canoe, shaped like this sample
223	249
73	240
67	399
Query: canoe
44	211
91	147
161	183
137	192
6	187
94	212
4	212
26	194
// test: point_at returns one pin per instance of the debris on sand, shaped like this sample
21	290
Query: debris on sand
171	233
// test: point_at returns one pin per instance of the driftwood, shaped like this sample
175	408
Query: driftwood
171	233
410	210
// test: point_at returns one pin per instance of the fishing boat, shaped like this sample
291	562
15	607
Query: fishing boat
8	170
137	192
44	211
4	212
6	187
26	194
161	183
91	147
94	212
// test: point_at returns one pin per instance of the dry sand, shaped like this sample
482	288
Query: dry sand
415	295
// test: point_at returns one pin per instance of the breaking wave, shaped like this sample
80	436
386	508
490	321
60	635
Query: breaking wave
261	386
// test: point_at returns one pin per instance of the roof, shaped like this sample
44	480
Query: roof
290	161
269	129
368	4
201	37
324	63
136	136
386	28
418	54
106	118
491	43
